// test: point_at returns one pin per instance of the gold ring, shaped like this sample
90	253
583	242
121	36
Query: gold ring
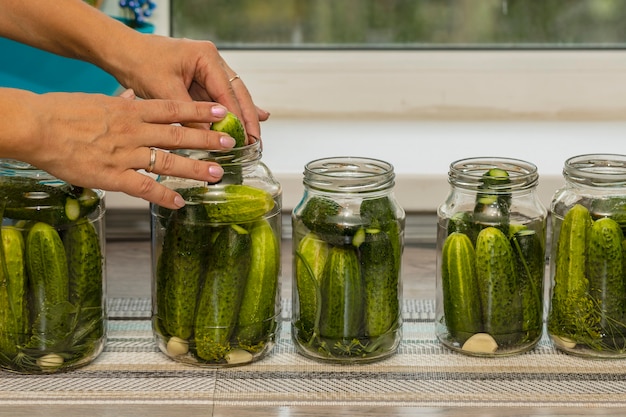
152	163
234	77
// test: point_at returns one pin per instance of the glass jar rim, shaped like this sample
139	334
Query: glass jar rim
468	173
241	155
599	170
349	174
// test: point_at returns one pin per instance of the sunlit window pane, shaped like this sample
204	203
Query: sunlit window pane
402	24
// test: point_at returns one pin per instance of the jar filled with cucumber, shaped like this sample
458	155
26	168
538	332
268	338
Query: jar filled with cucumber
491	258
587	315
52	305
348	233
216	261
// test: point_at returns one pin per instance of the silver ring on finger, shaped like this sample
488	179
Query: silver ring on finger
234	77
153	156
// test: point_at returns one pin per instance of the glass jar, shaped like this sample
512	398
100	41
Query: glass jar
52	300
348	235
587	314
490	258
216	263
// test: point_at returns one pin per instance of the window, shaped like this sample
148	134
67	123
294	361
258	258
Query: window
421	58
402	24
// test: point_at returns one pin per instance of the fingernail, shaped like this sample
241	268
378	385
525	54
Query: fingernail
227	142
219	111
179	201
128	93
216	171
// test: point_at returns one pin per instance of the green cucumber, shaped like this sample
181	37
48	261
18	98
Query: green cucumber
258	306
231	125
180	269
49	287
85	268
499	286
463	222
329	220
309	262
493	201
604	265
380	213
29	199
529	254
380	282
461	298
222	291
231	203
84	260
572	310
14	319
342	295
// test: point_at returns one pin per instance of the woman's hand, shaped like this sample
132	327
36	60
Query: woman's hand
97	141
183	69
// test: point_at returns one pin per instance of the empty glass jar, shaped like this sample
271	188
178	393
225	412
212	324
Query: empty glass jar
490	258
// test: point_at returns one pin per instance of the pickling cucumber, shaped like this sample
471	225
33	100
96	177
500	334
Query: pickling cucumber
14	315
529	255
231	203
46	263
461	298
85	268
604	265
180	269
309	261
494	200
222	292
29	199
329	220
258	305
499	287
572	310
342	296
380	283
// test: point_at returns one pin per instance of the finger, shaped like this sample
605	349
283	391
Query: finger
182	137
145	187
250	114
169	111
166	163
263	115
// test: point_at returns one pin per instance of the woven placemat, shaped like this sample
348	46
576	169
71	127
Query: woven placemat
422	373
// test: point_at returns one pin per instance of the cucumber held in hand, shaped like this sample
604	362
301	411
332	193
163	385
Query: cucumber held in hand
231	125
